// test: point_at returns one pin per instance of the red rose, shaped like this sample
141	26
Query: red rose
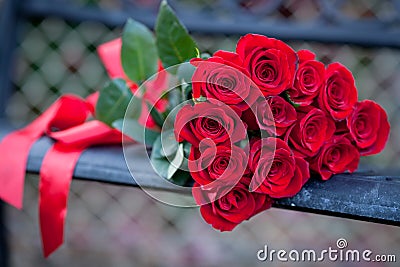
336	156
340	94
226	212
208	120
278	174
312	129
270	62
283	115
222	163
273	114
222	77
369	127
309	79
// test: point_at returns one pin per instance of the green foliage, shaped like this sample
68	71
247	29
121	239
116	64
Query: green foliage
136	131
157	117
168	157
174	44
113	101
139	53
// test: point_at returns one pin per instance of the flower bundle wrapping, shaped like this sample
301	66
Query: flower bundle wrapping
240	128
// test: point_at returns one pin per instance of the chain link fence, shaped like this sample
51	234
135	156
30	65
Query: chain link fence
118	226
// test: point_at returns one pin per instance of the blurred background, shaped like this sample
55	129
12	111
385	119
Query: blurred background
118	226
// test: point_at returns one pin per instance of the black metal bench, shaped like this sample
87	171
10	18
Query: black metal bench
365	195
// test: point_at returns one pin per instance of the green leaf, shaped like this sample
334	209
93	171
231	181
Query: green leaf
157	117
135	108
160	163
287	96
174	98
186	148
172	112
187	92
169	143
156	151
163	166
136	131
138	53
181	177
176	162
174	44
185	72
186	152
113	101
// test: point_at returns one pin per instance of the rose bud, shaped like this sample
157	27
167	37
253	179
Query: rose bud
270	62
232	207
312	129
339	95
336	156
223	77
369	127
208	120
309	79
277	172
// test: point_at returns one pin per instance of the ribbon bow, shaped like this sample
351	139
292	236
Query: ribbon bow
67	123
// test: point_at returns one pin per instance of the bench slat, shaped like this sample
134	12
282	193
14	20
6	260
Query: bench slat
364	195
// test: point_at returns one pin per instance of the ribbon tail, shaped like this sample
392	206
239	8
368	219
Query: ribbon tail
110	55
66	112
55	179
15	147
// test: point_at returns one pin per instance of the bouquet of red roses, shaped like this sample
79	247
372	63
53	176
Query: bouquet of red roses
239	128
296	115
243	128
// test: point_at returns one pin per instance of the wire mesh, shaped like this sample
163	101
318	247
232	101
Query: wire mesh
55	57
119	226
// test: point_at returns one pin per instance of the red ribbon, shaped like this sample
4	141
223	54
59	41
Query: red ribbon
16	145
55	179
56	174
65	122
109	54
